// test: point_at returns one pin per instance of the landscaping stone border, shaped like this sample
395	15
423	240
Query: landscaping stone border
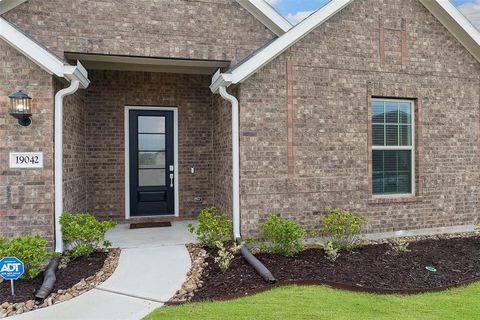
9	309
194	276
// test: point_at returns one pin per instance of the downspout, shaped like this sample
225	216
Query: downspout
235	161
59	97
250	258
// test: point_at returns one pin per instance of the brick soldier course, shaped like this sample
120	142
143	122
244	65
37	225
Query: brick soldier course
305	117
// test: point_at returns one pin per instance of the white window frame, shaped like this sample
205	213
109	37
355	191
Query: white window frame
127	159
396	148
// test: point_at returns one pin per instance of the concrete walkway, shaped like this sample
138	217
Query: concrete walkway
152	267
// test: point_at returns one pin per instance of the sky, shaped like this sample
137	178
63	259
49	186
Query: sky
297	10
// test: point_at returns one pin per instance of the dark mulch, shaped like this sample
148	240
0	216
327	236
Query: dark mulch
368	267
75	271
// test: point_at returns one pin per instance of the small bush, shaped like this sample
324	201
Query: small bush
331	252
226	254
31	250
343	227
282	236
83	233
212	227
398	246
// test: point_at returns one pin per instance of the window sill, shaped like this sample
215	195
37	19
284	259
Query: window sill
402	199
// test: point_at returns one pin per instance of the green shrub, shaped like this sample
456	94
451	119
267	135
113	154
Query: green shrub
282	236
31	250
83	233
212	227
342	227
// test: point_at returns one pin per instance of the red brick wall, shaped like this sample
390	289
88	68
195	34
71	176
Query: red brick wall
26	196
207	29
336	70
106	98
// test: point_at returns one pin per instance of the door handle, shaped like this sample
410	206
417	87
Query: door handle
171	180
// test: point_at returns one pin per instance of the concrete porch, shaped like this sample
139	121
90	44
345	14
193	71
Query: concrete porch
123	237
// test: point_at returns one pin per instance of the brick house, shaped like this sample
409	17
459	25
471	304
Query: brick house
151	110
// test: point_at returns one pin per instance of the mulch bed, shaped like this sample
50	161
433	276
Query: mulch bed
368	268
75	271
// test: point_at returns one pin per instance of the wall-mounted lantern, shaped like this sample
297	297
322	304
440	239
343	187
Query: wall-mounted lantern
21	108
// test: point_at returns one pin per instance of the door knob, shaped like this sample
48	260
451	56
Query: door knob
171	180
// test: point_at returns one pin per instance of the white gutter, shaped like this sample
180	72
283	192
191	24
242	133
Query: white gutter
235	161
74	86
78	77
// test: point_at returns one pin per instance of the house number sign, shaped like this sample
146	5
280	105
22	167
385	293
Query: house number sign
26	160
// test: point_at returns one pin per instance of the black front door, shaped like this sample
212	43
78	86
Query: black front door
151	163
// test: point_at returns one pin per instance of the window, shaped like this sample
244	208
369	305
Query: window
393	156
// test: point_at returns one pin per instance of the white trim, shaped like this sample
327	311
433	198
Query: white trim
277	47
149	64
7	5
127	159
31	49
410	148
41	56
267	15
443	10
456	23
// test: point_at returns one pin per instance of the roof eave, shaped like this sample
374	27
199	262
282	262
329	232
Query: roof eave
267	15
282	43
458	25
443	10
41	56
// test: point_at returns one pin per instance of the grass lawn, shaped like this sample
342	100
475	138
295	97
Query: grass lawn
318	302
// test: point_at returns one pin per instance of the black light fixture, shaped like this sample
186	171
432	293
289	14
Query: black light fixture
21	108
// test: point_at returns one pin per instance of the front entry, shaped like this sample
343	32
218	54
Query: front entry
151	154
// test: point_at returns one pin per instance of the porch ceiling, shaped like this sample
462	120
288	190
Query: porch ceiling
148	64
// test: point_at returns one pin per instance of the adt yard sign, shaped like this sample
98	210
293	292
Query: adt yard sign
11	269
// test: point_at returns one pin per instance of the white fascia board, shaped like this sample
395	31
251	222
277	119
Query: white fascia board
28	47
267	15
277	47
41	56
7	5
458	25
